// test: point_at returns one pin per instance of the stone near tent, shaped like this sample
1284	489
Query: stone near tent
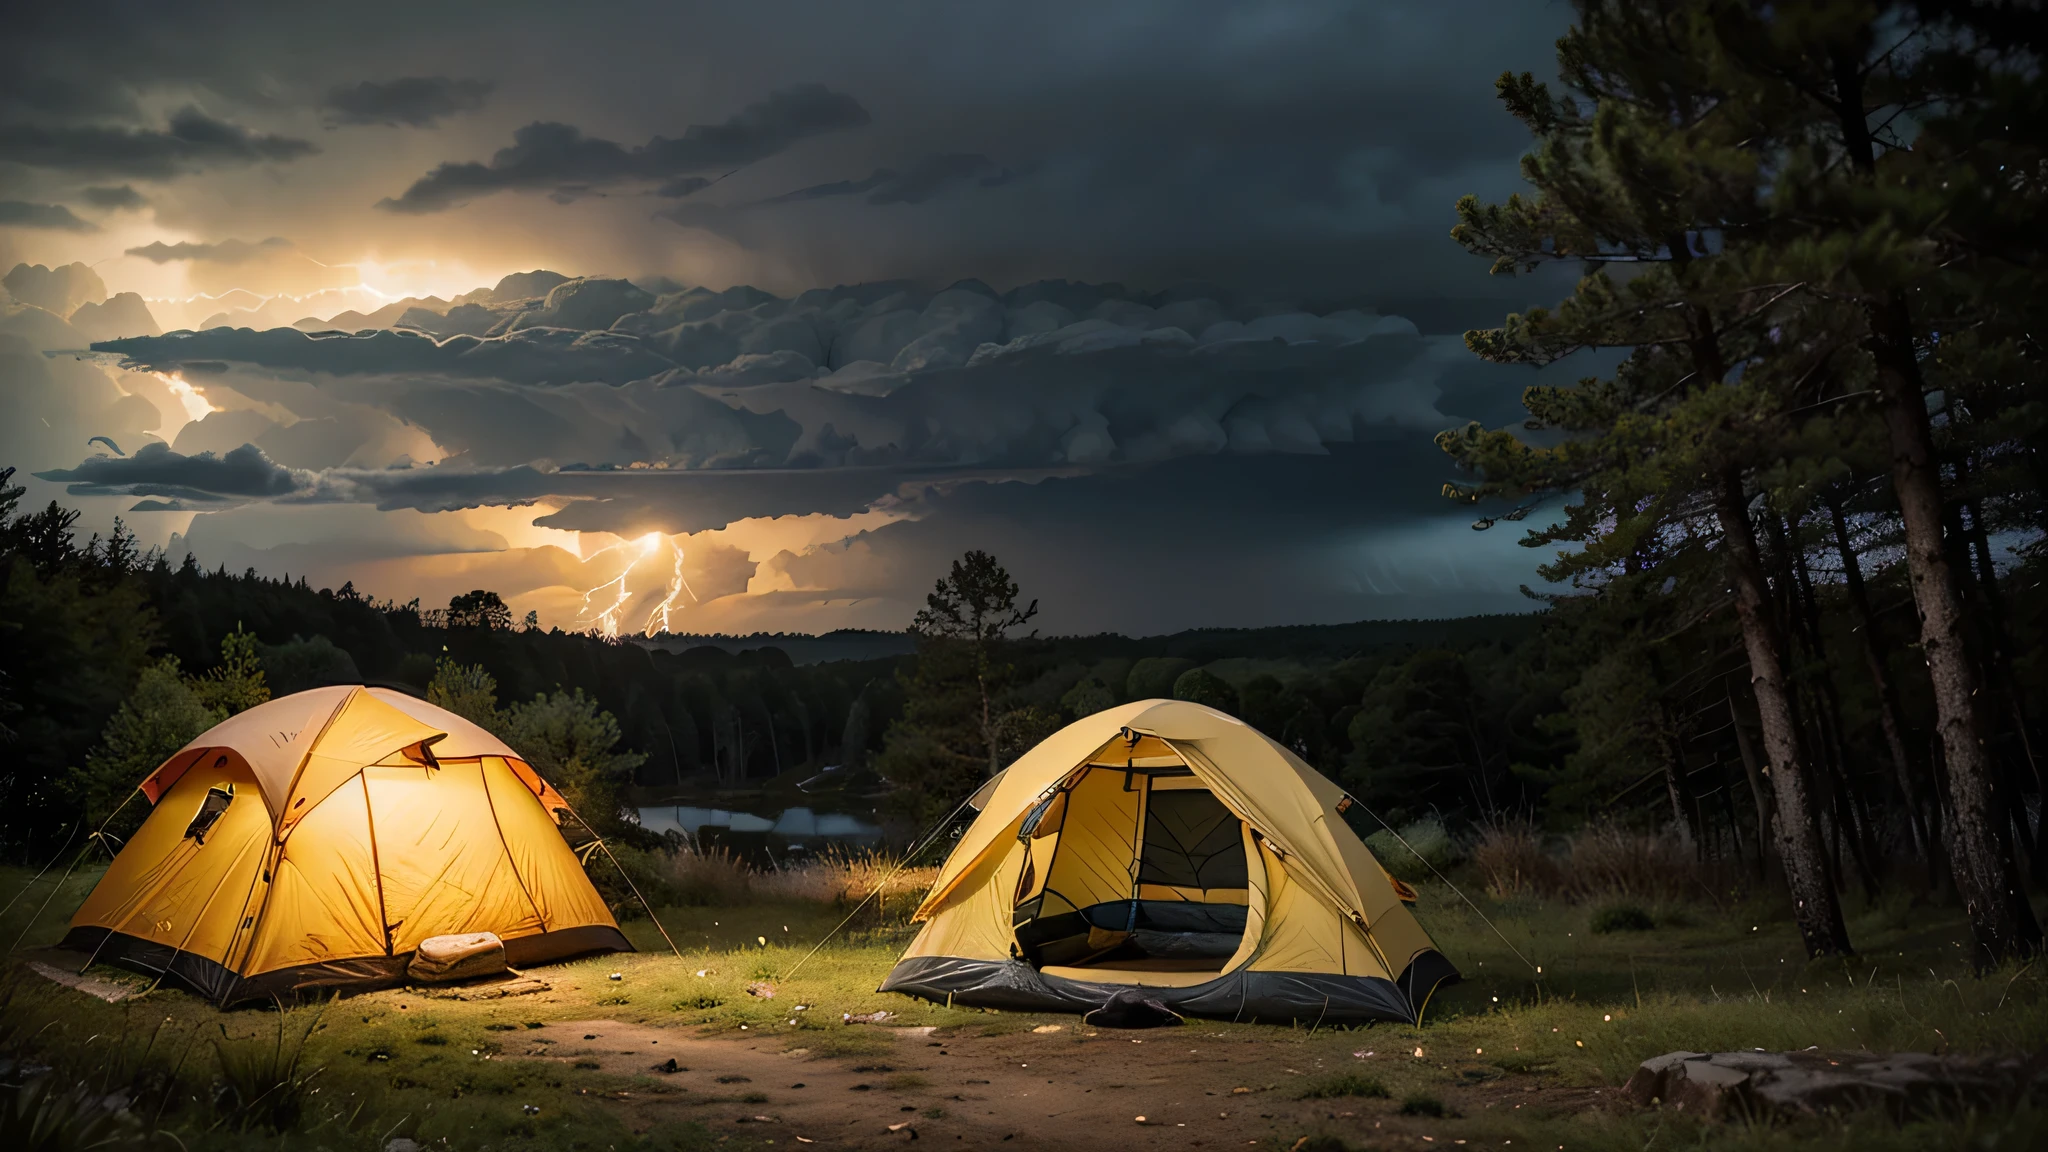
490	990
442	959
1719	1085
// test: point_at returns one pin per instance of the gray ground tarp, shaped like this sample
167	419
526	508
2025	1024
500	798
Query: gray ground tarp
1244	996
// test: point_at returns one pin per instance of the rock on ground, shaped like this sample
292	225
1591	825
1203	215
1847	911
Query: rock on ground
1720	1084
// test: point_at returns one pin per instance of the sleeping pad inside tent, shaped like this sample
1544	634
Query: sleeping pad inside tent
314	840
1167	846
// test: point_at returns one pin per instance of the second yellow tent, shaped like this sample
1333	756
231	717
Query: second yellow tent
313	841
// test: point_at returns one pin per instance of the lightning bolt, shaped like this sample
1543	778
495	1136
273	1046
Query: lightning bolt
657	620
604	604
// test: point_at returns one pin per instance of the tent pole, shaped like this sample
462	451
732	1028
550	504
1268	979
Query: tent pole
100	835
930	838
61	849
630	886
1447	882
40	909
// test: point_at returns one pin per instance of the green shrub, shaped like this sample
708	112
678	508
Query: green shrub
1428	846
1205	687
1622	918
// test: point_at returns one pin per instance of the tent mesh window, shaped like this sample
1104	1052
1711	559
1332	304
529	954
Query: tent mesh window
216	802
1191	841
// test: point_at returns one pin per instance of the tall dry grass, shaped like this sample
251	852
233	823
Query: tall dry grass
1600	861
1511	861
833	877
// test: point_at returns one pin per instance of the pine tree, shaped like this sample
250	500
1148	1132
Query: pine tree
468	691
976	605
237	683
1866	219
1646	162
954	733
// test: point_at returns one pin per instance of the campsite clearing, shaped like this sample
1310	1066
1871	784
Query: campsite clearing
1540	1067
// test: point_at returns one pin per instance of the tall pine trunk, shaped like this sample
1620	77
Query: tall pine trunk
1888	712
1757	791
1814	905
1987	877
2010	697
1851	814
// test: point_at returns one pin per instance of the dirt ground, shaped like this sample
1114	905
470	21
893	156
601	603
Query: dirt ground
1071	1088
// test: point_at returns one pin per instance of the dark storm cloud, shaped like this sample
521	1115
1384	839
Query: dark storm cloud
683	186
547	155
119	196
22	214
673	501
224	252
1302	155
190	141
750	406
412	101
1254	540
243	474
1310	149
531	356
915	185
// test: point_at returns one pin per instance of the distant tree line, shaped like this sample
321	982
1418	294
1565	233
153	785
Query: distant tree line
110	654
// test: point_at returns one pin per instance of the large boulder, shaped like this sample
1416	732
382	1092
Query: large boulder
1757	1083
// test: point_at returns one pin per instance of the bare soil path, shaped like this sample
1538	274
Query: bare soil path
1074	1088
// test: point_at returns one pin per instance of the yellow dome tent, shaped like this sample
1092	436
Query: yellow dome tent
313	841
1167	846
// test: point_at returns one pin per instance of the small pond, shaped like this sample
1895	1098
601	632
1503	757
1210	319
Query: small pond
792	831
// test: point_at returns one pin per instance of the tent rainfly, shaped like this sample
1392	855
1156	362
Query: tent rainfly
313	841
1167	846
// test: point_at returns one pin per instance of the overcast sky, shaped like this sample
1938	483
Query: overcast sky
1290	166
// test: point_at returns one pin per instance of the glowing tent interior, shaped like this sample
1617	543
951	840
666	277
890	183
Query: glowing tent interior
1168	846
313	841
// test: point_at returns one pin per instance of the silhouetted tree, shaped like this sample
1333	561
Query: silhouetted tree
480	609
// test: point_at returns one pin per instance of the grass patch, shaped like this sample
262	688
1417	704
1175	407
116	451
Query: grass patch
1519	1062
1344	1084
264	1078
902	1081
1621	918
1712	976
1423	1104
